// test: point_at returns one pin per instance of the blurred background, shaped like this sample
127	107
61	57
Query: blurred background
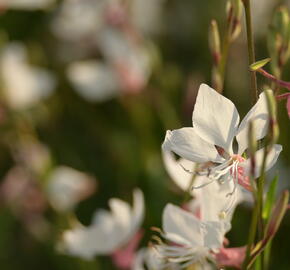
88	89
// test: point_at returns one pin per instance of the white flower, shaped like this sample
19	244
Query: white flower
93	80
26	4
130	58
211	202
67	187
23	84
71	24
210	140
194	239
109	230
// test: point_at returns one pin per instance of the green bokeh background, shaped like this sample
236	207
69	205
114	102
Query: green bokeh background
118	141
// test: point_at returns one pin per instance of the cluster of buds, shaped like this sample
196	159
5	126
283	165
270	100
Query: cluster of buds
278	40
220	52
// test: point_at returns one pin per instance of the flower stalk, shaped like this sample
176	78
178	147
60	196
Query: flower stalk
251	49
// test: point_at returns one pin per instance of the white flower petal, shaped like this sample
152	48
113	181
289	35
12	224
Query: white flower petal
259	115
214	234
187	144
175	169
271	160
213	200
215	118
137	211
183	224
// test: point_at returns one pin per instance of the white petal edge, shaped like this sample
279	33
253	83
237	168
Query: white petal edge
183	224
187	144
175	169
271	160
259	115
215	118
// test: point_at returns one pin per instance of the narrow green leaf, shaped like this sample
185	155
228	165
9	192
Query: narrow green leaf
259	64
270	199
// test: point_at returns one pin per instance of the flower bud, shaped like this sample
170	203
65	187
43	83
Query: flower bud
234	12
214	42
278	40
272	109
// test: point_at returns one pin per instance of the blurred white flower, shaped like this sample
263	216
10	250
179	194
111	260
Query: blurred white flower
130	59
93	80
210	140
147	15
71	23
194	240
26	4
23	84
67	187
109	231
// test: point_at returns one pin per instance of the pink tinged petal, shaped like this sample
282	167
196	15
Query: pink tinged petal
175	169
124	257
215	118
231	257
260	117
187	144
288	106
271	160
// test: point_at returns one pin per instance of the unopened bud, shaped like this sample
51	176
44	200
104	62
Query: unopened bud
278	40
234	12
259	64
272	110
214	42
277	214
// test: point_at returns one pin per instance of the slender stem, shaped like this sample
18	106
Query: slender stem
252	234
274	79
251	49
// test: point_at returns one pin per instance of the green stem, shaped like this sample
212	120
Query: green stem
252	234
251	49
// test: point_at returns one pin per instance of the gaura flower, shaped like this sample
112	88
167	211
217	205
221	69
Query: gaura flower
23	84
192	240
210	141
211	201
67	187
110	231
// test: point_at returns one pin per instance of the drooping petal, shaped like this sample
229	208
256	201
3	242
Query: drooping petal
215	118
271	160
137	211
176	169
214	201
187	144
182	224
259	115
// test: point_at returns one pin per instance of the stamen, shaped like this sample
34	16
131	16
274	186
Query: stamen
203	185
